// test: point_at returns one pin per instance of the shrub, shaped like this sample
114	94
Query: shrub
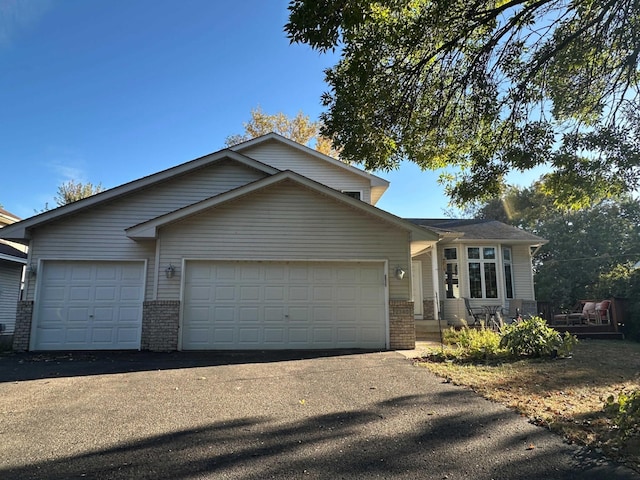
625	412
475	344
532	337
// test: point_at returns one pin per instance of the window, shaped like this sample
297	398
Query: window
508	272
353	194
451	273
483	273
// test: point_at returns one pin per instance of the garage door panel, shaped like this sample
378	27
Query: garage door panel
299	335
248	314
283	305
75	315
274	293
224	292
322	313
131	314
299	314
102	335
79	293
223	336
249	335
131	293
275	335
347	334
274	314
298	293
80	273
107	272
89	305
322	294
322	335
224	314
250	293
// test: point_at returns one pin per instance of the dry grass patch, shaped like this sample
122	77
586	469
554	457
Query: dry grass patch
566	395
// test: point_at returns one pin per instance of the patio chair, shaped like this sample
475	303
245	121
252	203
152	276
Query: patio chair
478	315
602	314
582	313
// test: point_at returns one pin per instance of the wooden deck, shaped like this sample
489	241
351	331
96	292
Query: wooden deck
591	331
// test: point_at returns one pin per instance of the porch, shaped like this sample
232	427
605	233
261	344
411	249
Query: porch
428	329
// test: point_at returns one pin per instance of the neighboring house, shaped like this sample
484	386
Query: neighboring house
265	245
12	261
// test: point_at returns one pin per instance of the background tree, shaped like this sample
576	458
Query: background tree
300	129
72	191
487	87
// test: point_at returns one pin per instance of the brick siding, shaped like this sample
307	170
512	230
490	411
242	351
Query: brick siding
402	328
160	320
427	306
24	315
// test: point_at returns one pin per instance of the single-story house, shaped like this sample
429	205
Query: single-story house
12	261
265	245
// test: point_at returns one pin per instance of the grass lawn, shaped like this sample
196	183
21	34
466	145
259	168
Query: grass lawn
566	395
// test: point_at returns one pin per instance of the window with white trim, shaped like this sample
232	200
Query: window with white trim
508	271
483	273
451	285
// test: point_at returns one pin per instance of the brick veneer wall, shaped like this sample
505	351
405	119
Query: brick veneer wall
427	306
24	315
160	320
402	328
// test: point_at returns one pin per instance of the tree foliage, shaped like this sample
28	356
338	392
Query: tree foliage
300	129
72	191
485	86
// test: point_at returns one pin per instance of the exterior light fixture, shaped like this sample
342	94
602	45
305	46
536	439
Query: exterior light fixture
400	273
32	269
170	271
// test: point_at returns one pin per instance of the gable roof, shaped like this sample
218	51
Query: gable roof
7	218
478	229
149	229
7	252
20	231
378	185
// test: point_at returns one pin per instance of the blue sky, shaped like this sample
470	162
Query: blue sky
108	91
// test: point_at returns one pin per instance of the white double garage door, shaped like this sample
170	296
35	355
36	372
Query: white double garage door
226	305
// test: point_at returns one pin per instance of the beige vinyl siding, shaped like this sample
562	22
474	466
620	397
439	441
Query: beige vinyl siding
99	233
10	276
522	277
284	157
283	222
427	276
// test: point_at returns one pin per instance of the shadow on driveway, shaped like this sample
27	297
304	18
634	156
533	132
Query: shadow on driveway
265	415
16	367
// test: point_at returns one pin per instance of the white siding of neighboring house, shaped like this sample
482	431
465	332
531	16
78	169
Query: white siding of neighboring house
284	157
99	233
283	222
10	276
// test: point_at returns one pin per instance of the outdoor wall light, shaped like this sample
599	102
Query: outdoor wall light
170	271
32	269
400	273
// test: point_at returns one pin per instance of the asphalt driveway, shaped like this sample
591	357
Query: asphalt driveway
326	415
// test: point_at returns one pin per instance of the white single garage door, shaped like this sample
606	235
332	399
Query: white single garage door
292	305
89	305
